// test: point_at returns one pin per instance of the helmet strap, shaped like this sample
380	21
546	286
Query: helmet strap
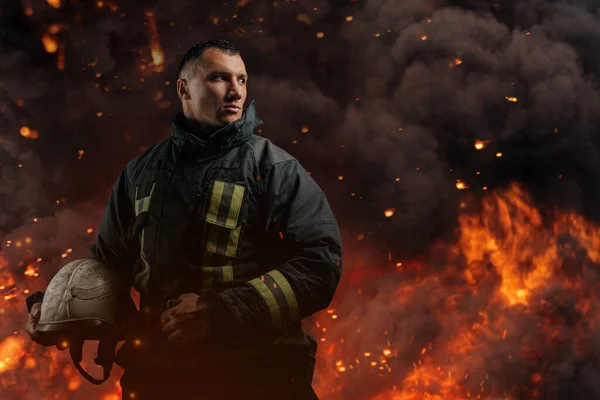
105	358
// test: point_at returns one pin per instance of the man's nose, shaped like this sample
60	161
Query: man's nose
235	89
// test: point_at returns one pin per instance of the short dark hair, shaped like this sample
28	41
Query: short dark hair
195	53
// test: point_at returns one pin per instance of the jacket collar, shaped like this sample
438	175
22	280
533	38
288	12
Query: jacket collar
226	137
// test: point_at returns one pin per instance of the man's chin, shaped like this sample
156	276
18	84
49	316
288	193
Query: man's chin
228	119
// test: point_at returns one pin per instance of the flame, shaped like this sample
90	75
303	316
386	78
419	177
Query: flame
11	352
53	3
507	261
389	212
511	99
158	56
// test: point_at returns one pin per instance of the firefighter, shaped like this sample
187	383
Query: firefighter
229	242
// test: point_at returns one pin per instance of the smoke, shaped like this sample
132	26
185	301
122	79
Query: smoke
392	95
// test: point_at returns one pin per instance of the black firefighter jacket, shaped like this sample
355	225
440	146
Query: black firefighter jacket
233	218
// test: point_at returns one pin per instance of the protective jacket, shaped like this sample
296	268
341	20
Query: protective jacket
231	217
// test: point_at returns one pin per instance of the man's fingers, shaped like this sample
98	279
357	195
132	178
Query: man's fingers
176	336
169	327
36	311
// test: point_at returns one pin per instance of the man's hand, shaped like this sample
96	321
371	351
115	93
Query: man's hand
32	321
187	322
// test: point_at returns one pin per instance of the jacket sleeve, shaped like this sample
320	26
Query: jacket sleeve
300	220
113	246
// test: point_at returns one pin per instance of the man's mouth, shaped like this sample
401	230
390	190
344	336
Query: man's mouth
234	109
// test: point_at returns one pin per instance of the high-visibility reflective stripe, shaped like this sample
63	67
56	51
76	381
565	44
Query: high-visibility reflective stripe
215	275
288	292
215	202
213	238
266	294
143	205
223	212
236	205
279	297
233	242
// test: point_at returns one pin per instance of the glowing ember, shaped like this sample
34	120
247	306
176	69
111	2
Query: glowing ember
53	3
424	37
460	185
480	144
28	133
389	212
455	62
304	129
301	17
158	56
498	154
50	44
320	35
511	99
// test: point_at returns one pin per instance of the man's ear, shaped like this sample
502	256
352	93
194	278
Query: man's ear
182	90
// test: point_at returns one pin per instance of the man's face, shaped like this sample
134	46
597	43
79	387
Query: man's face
215	91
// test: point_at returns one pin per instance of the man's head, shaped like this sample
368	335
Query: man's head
211	83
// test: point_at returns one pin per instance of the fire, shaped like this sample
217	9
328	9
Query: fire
158	56
11	352
53	3
511	99
515	284
389	212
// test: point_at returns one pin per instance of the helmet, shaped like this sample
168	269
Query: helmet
86	300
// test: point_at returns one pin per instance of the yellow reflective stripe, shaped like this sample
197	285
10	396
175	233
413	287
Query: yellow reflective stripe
207	274
269	299
287	290
143	204
213	238
232	244
236	205
227	274
210	273
215	202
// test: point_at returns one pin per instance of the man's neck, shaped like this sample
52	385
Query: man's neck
201	129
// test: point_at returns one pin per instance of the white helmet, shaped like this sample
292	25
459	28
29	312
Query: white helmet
86	300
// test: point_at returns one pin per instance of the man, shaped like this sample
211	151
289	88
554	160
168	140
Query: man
230	243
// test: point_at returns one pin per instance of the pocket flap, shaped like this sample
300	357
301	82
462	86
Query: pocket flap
225	205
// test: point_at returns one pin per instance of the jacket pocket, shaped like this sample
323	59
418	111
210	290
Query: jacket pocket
224	213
